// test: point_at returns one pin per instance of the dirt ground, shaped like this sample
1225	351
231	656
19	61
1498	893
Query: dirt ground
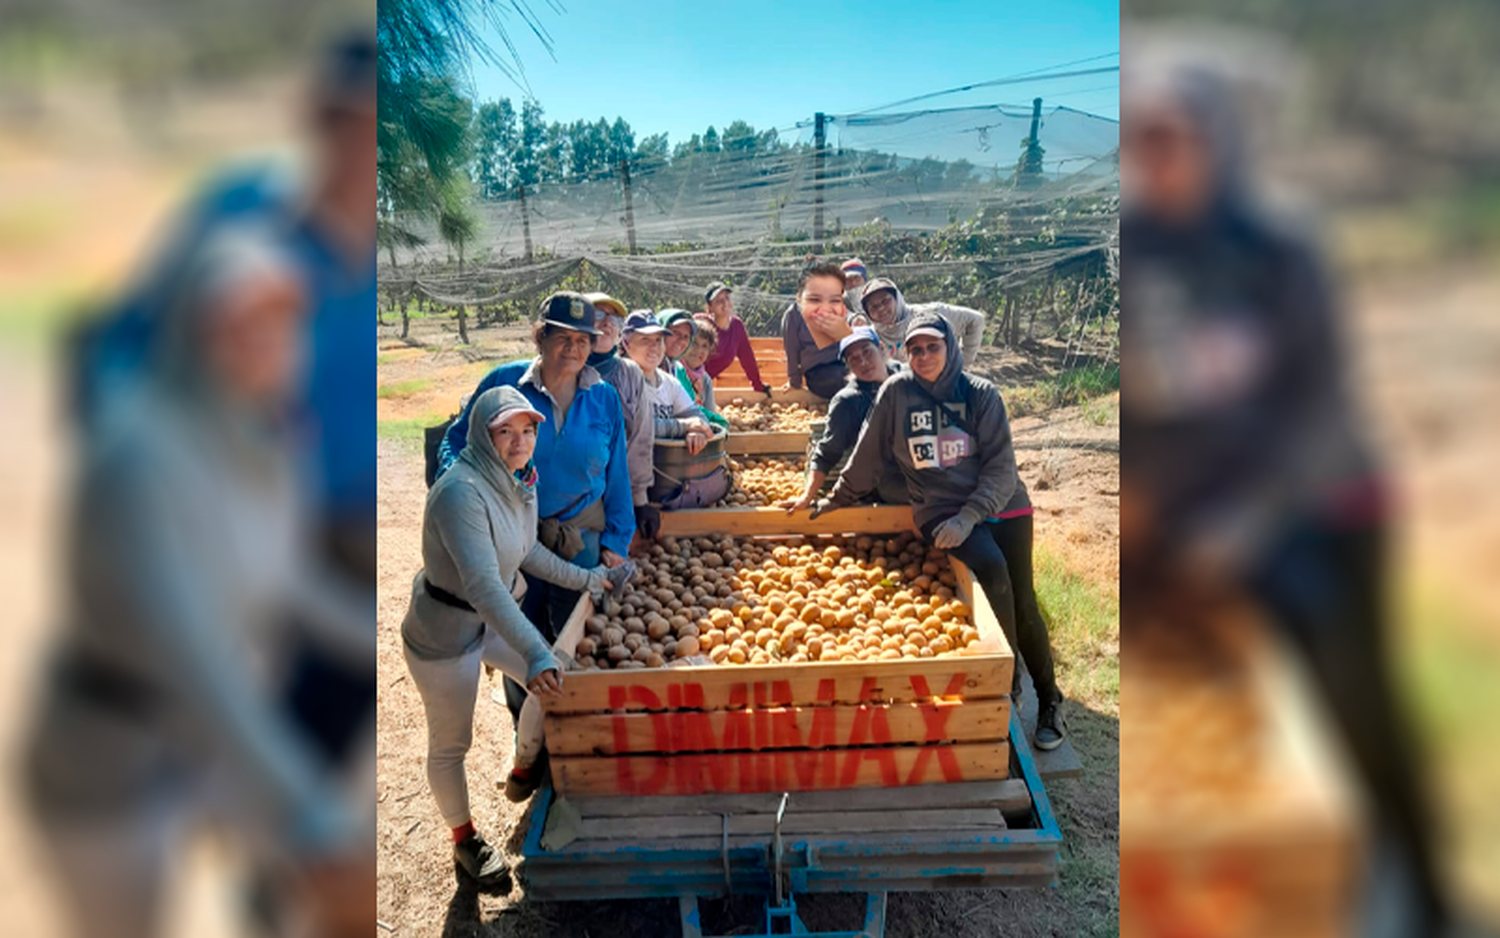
1076	491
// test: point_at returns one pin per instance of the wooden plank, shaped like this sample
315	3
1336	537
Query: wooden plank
1009	795
1062	762
637	888
681	852
768	522
932	721
704	773
792	825
774	442
745	393
715	687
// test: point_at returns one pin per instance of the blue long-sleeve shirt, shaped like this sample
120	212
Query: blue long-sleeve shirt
577	462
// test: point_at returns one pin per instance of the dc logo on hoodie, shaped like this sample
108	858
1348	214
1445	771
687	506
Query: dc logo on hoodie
933	440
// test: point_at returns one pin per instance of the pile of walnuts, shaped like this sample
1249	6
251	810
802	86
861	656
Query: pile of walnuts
761	601
768	416
763	481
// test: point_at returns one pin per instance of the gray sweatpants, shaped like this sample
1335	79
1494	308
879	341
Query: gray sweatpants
449	687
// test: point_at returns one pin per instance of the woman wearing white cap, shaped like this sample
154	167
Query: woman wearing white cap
676	414
479	532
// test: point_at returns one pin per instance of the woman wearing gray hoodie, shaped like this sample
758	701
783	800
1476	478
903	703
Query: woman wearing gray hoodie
885	310
948	434
478	534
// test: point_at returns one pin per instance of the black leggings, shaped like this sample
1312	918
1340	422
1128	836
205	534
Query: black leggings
1323	587
999	554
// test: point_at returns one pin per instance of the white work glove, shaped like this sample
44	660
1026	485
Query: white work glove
954	531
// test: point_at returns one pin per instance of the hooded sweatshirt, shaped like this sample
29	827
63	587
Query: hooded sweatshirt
847	412
581	459
625	377
479	529
967	324
189	559
948	469
1237	410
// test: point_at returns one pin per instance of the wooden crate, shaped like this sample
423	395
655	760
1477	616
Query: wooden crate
785	727
1282	857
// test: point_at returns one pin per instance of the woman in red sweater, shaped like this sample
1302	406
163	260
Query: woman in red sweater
733	340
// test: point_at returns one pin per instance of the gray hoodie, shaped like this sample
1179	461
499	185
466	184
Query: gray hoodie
948	470
478	531
968	324
625	377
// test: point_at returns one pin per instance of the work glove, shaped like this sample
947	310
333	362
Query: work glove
647	521
603	578
953	532
822	506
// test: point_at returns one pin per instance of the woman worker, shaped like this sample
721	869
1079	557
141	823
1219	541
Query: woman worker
584	497
478	533
948	433
811	329
693	373
676	415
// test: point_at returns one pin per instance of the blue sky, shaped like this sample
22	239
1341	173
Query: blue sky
679	66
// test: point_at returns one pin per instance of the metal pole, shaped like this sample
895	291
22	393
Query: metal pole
629	206
820	145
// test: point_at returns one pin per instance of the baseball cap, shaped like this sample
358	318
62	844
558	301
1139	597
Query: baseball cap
643	321
875	286
605	303
508	412
860	334
854	266
714	289
570	310
671	317
927	324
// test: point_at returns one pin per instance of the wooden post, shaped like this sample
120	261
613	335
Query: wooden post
463	324
525	221
820	146
629	206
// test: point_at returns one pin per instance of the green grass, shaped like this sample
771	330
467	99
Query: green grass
1084	621
1451	674
407	432
1067	387
400	390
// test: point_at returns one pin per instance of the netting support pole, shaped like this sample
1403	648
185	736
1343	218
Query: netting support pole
820	145
629	206
525	220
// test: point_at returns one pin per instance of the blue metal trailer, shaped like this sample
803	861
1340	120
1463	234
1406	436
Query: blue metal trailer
675	859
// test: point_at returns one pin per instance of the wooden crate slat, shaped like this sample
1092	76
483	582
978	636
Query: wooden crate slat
955	842
704	773
767	442
932	721
799	824
1009	795
814	683
771	522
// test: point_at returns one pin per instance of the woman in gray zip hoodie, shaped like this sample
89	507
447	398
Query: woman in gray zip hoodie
948	434
478	533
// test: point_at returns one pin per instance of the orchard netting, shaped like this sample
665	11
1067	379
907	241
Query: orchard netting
1012	210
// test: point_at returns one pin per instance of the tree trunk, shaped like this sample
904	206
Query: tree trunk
463	326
